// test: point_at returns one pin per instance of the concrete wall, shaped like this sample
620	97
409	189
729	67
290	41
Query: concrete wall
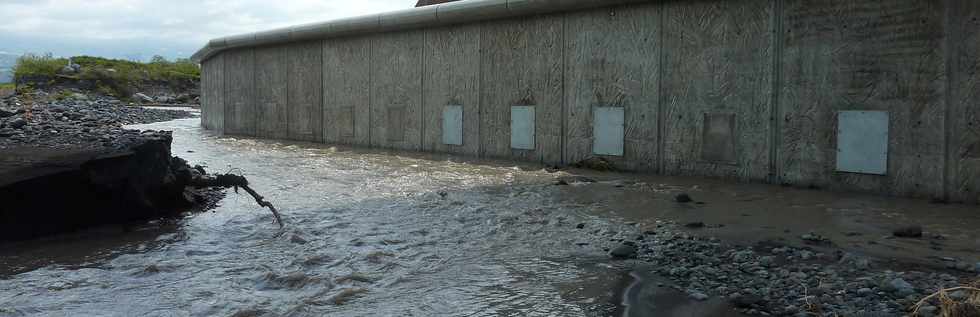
746	90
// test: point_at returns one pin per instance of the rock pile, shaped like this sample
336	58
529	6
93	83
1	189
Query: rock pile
784	280
76	120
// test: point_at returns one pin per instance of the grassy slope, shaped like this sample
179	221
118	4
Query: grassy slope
114	72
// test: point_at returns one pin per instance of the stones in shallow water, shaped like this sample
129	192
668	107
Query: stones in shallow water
699	296
913	231
695	225
624	251
900	287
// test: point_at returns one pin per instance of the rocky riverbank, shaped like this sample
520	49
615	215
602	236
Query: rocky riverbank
73	119
777	279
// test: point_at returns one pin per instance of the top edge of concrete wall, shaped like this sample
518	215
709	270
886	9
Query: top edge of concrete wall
460	12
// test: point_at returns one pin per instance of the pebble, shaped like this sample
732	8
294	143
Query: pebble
699	296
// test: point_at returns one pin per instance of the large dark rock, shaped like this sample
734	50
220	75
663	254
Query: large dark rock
624	251
914	231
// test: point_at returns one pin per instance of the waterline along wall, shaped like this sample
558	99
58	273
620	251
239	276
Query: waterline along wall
858	95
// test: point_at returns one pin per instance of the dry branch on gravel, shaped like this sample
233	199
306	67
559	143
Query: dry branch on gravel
969	306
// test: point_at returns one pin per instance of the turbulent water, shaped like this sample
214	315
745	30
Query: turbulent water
367	234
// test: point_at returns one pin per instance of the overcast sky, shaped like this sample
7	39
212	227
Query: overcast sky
139	29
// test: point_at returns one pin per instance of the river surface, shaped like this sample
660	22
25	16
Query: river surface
367	233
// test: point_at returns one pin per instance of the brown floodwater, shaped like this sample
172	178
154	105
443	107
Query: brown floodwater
379	233
368	233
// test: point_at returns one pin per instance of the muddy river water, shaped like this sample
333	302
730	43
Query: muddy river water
375	233
367	234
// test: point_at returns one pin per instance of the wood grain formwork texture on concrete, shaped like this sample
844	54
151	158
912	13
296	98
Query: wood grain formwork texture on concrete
521	64
863	55
396	90
212	93
304	91
716	89
239	76
270	92
347	91
451	77
612	59
964	108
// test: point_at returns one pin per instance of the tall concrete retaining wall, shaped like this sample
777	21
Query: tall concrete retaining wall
745	89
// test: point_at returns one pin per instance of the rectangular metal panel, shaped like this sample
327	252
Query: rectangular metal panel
608	131
522	127
862	142
452	125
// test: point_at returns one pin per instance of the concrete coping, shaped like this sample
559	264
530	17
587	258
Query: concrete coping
466	11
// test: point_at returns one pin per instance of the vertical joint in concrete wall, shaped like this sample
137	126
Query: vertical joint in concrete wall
422	92
661	163
563	137
775	116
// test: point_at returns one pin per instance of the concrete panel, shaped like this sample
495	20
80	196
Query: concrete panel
612	60
609	123
396	82
863	55
522	127
964	106
452	125
862	142
719	138
212	102
718	60
452	77
270	92
239	78
347	91
522	66
305	91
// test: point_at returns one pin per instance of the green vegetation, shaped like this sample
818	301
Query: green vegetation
4	86
111	76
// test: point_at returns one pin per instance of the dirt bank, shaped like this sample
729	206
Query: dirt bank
67	164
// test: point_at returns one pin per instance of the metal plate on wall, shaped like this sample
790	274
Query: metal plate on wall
608	131
522	127
718	138
452	125
862	142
